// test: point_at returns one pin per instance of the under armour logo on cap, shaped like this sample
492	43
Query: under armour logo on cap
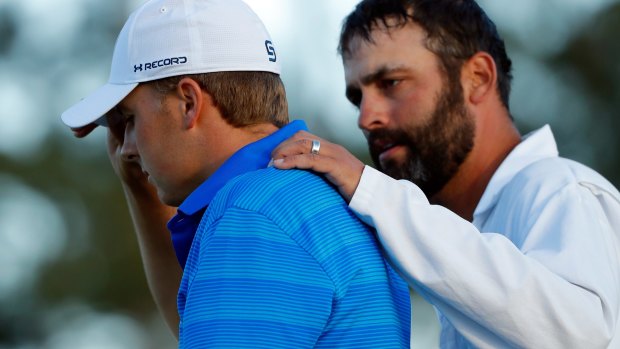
159	63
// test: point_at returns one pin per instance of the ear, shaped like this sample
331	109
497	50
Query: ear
479	78
191	97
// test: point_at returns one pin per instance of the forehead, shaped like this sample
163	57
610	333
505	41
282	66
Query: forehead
402	46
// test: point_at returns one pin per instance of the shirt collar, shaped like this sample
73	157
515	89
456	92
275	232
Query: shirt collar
252	157
534	146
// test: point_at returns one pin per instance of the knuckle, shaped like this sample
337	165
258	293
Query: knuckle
298	135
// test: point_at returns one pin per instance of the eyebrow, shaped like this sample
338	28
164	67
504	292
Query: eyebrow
377	75
381	73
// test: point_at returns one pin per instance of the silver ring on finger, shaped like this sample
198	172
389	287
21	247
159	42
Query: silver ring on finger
316	146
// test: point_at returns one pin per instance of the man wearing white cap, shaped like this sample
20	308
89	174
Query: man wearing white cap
270	258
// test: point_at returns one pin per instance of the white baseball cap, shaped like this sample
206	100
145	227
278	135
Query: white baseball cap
166	38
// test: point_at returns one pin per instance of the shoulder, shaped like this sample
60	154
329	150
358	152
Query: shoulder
551	175
280	195
307	211
552	183
271	186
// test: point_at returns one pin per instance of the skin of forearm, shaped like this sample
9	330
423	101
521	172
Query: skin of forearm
162	269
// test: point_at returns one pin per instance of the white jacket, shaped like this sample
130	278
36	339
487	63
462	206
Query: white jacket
538	268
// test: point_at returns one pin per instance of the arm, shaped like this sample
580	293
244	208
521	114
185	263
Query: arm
491	290
248	285
162	269
149	217
555	286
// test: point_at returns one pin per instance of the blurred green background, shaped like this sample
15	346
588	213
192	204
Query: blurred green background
70	272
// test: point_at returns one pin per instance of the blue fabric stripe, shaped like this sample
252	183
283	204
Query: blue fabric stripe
280	262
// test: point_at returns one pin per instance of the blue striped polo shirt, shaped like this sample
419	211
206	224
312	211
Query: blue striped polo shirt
279	261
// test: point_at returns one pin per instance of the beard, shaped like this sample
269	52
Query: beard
434	150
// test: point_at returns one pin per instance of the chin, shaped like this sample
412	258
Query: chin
168	200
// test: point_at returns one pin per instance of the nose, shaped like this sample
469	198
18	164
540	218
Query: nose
129	151
372	113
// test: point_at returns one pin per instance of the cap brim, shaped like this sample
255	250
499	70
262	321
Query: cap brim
93	107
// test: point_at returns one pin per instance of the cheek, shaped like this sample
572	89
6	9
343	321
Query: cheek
152	147
407	114
414	110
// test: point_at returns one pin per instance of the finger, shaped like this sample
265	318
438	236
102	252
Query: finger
113	141
300	143
81	132
116	127
345	175
292	146
335	170
304	134
296	137
307	138
301	161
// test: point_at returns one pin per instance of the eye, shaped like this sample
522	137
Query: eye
354	96
389	83
114	117
126	116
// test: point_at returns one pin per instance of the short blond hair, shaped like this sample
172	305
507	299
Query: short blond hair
244	98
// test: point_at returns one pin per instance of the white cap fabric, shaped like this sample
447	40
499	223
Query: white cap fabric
166	38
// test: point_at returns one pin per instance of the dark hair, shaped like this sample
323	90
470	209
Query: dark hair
456	30
244	98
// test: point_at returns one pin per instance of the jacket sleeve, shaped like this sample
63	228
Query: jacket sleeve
552	284
254	287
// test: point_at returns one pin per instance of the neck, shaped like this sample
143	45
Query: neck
492	144
223	140
258	131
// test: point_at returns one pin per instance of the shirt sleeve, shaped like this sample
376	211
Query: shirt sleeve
556	286
254	287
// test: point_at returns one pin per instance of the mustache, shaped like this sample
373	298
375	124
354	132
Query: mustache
384	135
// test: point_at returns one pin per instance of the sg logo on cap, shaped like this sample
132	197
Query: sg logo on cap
271	51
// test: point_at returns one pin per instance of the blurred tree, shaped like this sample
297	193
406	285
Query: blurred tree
7	29
101	267
592	57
